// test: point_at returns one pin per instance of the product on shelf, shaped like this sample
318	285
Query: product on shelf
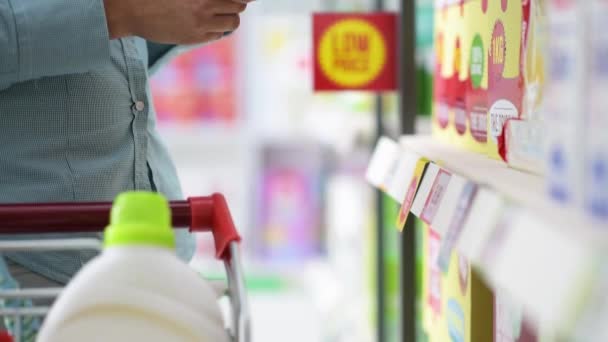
479	79
477	42
198	87
564	105
447	94
289	200
509	22
457	306
522	145
596	164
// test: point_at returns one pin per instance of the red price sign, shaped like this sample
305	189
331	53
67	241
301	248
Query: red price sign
355	52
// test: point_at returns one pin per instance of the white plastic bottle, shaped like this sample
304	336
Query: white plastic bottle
137	289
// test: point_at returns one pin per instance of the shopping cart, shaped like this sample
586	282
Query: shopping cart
199	214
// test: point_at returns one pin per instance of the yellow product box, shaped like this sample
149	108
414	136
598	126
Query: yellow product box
458	307
524	138
448	94
479	78
461	79
508	23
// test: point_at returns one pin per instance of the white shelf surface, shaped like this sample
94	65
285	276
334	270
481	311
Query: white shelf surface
545	255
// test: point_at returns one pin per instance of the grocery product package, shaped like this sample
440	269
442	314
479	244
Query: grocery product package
460	84
522	144
444	72
479	79
564	105
596	164
508	22
457	305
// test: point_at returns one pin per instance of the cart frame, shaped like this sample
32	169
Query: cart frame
198	214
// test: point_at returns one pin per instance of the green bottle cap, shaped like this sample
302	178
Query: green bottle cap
140	218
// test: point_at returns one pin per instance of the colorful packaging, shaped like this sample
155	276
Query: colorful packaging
522	146
289	199
457	306
564	101
445	73
199	87
596	164
509	25
461	76
534	61
477	42
479	82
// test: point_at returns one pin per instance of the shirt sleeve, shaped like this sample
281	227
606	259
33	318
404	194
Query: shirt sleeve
156	52
50	38
160	54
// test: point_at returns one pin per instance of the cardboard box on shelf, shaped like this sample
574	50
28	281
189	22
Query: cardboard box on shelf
447	24
461	42
477	42
508	22
522	145
564	105
596	164
457	306
479	79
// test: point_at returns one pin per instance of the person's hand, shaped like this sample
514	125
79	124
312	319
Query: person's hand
173	21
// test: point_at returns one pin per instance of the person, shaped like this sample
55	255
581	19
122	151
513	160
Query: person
77	122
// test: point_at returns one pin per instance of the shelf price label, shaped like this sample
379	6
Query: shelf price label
355	51
411	192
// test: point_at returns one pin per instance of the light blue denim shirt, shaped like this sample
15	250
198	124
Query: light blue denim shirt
77	121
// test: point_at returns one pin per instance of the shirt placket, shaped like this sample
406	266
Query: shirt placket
140	110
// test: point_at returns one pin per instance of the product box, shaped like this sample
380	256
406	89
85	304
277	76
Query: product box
457	304
289	199
508	23
522	145
199	88
479	79
447	27
476	41
461	42
564	101
596	164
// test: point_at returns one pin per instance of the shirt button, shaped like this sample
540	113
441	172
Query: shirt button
140	106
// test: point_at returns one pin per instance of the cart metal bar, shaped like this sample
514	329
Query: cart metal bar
36	293
20	312
50	245
199	214
70	217
239	302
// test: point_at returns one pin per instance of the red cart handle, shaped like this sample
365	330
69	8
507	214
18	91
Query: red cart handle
200	214
213	213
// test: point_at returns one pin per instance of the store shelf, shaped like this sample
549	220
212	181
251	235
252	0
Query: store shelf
501	220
